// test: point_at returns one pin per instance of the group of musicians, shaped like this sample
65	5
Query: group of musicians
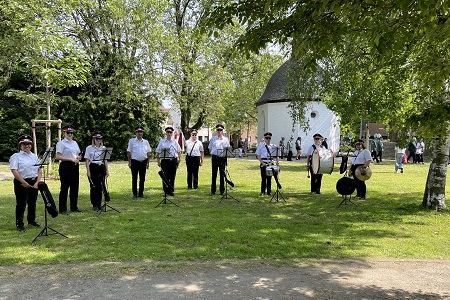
27	172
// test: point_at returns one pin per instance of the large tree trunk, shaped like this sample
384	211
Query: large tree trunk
434	195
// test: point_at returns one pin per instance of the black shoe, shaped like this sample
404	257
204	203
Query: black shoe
95	208
212	194
34	224
261	194
20	228
189	187
76	210
196	188
269	194
65	213
142	196
134	197
318	192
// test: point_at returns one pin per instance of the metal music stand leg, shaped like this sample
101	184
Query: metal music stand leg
165	200
44	231
226	195
103	208
346	198
277	194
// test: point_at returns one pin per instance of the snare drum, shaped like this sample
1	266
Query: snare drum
322	161
274	169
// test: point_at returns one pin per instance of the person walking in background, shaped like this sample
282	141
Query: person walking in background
281	145
298	148
373	148
325	143
412	149
194	158
399	152
316	179
138	153
169	162
218	160
69	154
96	169
240	146
379	143
245	148
420	148
27	174
289	146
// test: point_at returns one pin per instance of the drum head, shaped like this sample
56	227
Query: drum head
345	186
315	162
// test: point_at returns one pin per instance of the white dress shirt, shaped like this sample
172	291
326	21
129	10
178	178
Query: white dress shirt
139	149
194	148
217	144
172	145
24	164
68	148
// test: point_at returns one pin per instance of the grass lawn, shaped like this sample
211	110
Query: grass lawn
390	223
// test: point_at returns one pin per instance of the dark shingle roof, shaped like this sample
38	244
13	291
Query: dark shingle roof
276	87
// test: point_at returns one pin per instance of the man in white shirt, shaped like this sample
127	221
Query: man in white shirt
194	159
168	162
265	153
138	153
218	160
316	179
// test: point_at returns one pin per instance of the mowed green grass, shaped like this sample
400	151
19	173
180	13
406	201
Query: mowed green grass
390	223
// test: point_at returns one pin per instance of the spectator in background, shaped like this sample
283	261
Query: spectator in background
420	147
281	145
412	149
298	147
289	146
324	143
240	146
398	154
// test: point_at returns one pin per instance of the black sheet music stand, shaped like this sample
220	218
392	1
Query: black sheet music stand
225	153
276	196
103	155
165	152
44	232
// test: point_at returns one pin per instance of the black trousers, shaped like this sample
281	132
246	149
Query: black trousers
138	168
98	173
218	164
360	185
266	181
25	196
316	181
69	175
169	166
289	156
192	165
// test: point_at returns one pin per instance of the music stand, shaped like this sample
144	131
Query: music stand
44	232
225	153
103	155
277	193
166	184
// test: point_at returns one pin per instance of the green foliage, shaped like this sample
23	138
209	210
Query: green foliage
389	224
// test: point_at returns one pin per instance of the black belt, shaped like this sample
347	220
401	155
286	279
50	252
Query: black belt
194	155
31	178
170	158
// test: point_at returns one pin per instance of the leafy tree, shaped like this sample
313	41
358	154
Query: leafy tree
367	43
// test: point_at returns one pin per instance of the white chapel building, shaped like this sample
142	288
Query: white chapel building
273	116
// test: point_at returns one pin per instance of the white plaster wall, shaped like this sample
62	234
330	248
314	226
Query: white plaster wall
274	117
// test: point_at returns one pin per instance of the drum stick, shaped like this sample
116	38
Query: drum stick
308	174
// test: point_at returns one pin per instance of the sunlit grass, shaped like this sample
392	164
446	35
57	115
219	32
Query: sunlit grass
390	223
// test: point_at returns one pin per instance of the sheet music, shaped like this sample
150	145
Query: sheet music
45	157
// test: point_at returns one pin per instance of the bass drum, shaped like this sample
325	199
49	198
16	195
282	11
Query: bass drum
322	161
345	186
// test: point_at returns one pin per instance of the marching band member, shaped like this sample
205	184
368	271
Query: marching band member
168	162
264	154
194	159
27	175
361	157
316	179
69	155
138	153
218	160
96	168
